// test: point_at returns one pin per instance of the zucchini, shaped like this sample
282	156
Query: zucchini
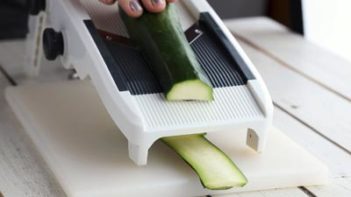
215	169
163	43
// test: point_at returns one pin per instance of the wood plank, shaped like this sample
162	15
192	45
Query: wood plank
340	187
298	54
301	100
320	109
337	160
289	192
292	192
22	171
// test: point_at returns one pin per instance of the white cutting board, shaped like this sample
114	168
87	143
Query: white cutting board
88	154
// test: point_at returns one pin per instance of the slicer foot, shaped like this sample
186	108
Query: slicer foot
138	153
255	140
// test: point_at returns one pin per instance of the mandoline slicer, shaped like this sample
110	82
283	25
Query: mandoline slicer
130	92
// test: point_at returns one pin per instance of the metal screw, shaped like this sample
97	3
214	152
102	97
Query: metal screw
108	37
73	75
198	31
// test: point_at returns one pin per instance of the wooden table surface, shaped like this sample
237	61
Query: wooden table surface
310	87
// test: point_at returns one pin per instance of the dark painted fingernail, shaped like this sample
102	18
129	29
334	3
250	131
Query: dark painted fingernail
135	6
157	2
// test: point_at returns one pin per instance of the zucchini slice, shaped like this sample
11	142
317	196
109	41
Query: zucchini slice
215	169
172	60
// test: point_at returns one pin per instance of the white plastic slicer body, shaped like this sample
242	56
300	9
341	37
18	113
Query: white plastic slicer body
146	117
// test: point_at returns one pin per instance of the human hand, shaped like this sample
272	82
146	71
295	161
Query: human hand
135	8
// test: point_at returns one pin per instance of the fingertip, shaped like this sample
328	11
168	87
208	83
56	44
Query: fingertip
171	1
131	7
154	6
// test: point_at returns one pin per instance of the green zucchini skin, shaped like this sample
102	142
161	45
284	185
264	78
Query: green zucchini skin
214	168
163	43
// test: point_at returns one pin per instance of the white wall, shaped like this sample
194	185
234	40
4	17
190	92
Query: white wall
328	23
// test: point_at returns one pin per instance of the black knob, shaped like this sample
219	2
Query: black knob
52	43
35	6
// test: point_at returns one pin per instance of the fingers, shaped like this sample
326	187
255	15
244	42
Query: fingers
131	7
154	6
134	8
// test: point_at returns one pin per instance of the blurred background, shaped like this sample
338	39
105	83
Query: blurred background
13	19
324	22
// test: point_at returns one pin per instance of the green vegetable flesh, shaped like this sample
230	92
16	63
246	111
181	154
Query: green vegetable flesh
171	58
215	169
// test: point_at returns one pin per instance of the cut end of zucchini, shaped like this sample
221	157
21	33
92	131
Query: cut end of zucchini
190	90
215	169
